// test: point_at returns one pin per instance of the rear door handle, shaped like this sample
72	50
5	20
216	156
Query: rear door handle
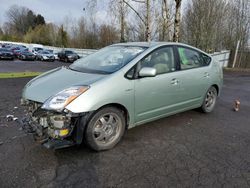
174	81
206	75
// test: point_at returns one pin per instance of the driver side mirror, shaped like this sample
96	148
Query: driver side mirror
147	72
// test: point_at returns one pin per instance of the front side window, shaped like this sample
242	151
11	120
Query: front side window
161	59
107	60
192	59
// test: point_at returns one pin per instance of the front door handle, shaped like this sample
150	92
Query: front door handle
174	81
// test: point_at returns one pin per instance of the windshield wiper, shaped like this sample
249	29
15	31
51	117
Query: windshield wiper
91	71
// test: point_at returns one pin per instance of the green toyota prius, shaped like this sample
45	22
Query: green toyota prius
116	88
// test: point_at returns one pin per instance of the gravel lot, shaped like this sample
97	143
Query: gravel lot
190	149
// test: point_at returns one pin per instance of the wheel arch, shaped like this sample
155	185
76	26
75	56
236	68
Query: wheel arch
120	107
217	88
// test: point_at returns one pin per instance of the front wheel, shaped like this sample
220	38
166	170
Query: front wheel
209	100
105	129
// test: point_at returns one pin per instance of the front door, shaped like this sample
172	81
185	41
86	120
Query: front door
159	95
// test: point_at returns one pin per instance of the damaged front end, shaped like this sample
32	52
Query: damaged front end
53	129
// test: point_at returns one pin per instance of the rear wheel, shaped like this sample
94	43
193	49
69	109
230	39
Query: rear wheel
105	129
209	100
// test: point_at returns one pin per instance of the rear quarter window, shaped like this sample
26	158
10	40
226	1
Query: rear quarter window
206	59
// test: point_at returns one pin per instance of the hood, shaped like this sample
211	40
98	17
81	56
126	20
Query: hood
50	83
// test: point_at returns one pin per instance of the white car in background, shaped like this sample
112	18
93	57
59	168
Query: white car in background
45	55
56	56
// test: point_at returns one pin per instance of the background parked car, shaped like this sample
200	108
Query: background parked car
45	55
6	54
17	53
56	56
68	56
7	46
35	50
26	55
16	49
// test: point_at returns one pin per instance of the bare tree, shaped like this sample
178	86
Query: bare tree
176	36
21	19
204	24
107	35
165	19
146	20
119	9
239	23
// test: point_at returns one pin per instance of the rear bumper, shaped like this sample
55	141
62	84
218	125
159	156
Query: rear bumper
6	57
72	59
49	58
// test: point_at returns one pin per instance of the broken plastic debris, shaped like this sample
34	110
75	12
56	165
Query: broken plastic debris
15	119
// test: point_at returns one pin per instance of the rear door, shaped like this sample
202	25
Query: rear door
194	76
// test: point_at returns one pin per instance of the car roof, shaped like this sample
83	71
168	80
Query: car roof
150	44
155	44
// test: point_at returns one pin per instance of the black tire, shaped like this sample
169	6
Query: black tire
116	127
209	100
66	60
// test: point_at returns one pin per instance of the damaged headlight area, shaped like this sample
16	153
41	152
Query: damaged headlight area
53	129
59	101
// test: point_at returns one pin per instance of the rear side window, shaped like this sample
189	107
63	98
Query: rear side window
190	58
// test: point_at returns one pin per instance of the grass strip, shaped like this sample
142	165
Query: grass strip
18	74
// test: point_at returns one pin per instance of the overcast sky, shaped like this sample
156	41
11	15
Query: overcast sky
54	10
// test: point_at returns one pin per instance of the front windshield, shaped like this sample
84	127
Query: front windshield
69	52
107	60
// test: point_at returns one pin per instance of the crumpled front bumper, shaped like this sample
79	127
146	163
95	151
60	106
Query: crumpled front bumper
52	129
41	135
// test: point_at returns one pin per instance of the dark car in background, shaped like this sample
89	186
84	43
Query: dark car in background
6	54
45	55
26	55
17	53
6	45
17	49
68	56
